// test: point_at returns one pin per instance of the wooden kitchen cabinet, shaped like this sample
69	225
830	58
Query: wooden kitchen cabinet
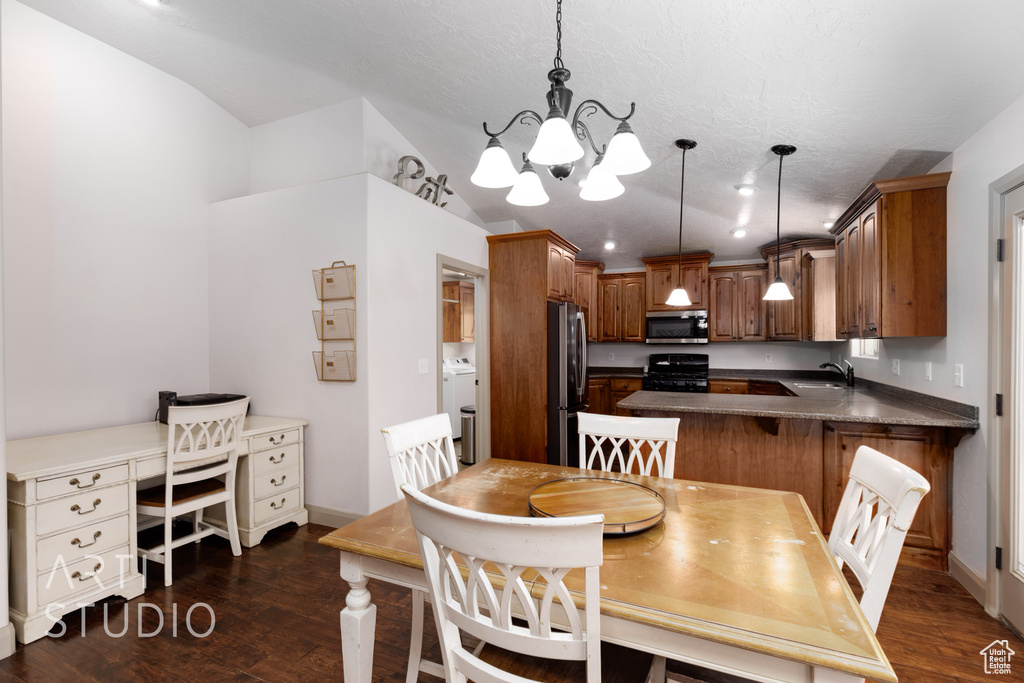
621	389
925	450
458	319
819	295
663	276
786	318
523	278
585	293
737	309
728	386
599	396
621	314
891	260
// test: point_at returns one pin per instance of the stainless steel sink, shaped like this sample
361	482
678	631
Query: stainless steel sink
819	385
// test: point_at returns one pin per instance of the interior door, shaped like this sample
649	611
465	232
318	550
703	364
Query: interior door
1011	578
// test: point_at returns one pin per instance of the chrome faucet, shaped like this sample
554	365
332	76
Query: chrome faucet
848	374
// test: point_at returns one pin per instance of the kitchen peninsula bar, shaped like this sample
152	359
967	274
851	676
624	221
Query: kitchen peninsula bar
805	443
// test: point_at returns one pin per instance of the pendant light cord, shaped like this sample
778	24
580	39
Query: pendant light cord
778	218
558	36
682	185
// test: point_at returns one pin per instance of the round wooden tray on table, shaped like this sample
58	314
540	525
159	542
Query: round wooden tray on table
627	507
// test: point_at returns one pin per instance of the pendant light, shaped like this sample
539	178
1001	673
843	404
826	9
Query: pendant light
557	144
778	290
678	297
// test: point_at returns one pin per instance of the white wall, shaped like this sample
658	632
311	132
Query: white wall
732	356
404	236
263	249
994	151
109	167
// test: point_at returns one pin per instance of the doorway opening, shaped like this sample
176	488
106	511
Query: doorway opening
462	356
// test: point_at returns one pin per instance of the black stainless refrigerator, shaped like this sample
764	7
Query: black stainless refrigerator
567	381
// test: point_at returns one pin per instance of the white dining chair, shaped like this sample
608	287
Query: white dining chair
881	498
202	454
421	453
510	562
615	443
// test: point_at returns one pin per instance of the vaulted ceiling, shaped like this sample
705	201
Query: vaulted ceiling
864	90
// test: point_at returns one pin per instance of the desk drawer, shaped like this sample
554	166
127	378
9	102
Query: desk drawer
88	574
93	539
276	505
274	439
79	481
275	460
269	484
87	506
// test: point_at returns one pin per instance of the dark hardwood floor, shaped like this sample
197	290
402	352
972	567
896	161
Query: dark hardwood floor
276	609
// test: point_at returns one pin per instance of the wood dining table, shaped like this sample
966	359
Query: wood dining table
734	579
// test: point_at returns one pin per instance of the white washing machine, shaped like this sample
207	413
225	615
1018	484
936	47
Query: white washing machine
459	379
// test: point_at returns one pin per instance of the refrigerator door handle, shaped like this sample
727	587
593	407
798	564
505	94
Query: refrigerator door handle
581	345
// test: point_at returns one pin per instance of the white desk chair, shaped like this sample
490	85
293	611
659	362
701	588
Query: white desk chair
202	452
482	605
421	453
878	505
613	443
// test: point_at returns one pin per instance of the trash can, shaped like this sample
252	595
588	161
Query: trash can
468	414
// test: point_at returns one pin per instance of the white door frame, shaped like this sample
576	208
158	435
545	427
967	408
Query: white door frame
481	322
999	384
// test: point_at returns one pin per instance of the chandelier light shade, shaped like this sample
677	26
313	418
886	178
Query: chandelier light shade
601	183
625	155
558	143
778	291
495	168
678	296
528	190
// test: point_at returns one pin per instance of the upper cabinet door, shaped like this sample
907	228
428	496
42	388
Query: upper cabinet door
751	322
632	297
871	270
842	288
608	304
556	273
722	312
786	316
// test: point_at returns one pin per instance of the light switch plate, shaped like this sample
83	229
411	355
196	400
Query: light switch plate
958	374
767	358
424	366
928	370
896	366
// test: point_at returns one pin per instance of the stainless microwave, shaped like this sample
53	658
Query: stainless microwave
677	327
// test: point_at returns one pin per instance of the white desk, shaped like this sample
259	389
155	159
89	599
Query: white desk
71	509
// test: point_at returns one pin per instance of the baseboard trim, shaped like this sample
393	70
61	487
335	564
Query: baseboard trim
968	578
7	644
330	517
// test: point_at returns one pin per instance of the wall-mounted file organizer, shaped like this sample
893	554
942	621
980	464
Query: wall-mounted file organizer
335	323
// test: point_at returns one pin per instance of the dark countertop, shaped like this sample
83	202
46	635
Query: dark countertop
868	402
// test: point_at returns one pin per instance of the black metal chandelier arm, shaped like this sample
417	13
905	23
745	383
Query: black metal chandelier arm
583	133
594	105
523	117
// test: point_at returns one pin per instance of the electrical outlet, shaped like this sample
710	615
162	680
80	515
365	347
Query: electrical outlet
958	374
928	370
424	367
611	355
767	358
895	366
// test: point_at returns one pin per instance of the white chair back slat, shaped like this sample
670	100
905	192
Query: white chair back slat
874	515
613	443
421	452
496	551
200	435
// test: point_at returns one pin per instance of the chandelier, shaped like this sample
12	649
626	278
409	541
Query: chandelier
558	146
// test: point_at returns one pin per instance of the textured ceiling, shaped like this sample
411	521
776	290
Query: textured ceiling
864	90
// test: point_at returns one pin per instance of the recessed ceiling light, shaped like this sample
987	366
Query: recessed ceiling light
738	232
609	245
828	224
150	3
746	190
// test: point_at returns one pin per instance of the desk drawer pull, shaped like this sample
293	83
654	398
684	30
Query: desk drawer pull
277	506
75	482
275	482
85	577
77	508
95	538
278	441
278	461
